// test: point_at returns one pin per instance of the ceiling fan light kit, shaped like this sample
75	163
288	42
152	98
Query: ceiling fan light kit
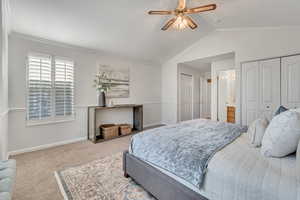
181	20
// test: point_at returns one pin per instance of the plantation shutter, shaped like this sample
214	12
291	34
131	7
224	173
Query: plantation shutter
39	87
64	87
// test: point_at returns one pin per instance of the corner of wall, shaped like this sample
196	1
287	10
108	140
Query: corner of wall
5	27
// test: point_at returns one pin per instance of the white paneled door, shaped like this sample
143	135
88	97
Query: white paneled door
290	86
261	89
269	87
186	97
250	92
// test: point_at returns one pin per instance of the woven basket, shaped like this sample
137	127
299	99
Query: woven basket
109	131
125	129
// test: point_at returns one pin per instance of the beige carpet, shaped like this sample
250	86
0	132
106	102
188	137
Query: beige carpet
35	171
100	179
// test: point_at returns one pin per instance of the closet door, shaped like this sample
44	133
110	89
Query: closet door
261	89
269	74
290	87
250	91
186	97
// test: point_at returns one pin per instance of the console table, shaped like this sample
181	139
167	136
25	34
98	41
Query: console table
93	133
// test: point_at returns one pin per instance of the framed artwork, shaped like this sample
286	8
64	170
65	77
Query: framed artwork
119	79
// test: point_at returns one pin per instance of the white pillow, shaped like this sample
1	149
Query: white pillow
296	110
257	130
298	162
282	135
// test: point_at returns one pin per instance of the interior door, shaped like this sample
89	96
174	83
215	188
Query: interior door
269	73
186	97
250	91
290	87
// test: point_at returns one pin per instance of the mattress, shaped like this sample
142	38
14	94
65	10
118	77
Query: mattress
240	172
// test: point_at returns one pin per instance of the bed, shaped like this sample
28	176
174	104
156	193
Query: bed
235	171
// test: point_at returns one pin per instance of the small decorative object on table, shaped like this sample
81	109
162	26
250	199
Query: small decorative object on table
110	103
109	131
125	129
103	84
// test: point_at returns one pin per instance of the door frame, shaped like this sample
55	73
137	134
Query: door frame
217	78
179	94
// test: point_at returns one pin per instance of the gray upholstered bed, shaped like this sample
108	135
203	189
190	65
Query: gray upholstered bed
235	171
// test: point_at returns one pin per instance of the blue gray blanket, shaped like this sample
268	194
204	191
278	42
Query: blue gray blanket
184	149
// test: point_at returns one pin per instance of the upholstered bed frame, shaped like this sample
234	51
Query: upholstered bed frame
161	186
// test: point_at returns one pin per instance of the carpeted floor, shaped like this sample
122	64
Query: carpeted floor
35	171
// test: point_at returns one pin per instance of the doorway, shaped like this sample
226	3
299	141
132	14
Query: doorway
226	98
205	96
186	97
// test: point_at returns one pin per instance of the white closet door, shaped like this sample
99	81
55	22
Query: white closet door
269	87
250	91
186	97
290	87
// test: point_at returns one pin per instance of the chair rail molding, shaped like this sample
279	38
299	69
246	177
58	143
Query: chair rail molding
14	109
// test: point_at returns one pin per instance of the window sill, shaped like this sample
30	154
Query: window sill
49	122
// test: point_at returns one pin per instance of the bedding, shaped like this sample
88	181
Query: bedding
296	110
282	135
256	131
280	110
240	172
184	149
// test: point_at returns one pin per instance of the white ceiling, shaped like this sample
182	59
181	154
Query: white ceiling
123	26
253	13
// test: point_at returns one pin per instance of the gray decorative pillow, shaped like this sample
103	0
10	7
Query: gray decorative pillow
280	110
282	135
256	131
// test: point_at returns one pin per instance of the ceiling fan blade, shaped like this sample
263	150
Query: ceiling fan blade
160	12
181	4
201	9
190	22
168	24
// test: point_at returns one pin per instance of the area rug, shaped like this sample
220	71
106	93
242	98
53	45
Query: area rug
99	180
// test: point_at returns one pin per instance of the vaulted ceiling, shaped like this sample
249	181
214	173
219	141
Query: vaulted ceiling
123	26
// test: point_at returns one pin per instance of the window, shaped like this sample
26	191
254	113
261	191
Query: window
40	86
50	88
64	87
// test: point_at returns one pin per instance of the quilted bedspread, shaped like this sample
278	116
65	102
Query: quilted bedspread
184	149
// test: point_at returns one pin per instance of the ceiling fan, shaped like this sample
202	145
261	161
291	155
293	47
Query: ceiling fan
181	20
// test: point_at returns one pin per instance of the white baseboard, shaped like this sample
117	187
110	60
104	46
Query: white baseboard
45	146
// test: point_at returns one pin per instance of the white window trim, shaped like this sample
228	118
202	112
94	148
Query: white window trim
53	119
